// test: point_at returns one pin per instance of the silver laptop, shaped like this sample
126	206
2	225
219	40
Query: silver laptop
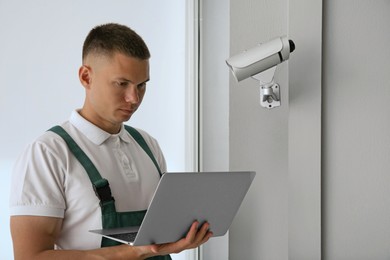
182	198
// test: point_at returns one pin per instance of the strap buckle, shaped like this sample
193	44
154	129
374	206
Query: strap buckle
102	190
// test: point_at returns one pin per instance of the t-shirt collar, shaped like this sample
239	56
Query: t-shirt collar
95	134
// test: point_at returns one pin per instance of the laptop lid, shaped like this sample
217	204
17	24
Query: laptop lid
183	197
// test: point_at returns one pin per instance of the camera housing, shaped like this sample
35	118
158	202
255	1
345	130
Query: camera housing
260	58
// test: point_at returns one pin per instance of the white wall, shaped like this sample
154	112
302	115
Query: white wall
40	52
214	102
356	127
304	130
258	139
323	183
233	121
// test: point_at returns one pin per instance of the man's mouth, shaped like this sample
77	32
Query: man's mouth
127	111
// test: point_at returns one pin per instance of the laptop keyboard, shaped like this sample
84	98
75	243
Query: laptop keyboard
129	237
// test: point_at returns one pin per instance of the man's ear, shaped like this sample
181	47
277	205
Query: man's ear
85	76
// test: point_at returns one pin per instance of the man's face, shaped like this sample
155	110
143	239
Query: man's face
115	87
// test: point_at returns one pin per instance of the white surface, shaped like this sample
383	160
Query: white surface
258	138
214	107
304	131
356	127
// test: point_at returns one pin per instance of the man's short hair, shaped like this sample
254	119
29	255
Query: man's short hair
109	38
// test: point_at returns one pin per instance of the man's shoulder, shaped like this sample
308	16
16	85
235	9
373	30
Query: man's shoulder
48	147
50	139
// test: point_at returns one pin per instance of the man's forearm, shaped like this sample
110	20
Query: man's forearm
107	253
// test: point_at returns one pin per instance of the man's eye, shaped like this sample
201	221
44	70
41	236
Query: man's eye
122	83
142	85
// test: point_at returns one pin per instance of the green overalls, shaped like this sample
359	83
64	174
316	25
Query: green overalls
110	217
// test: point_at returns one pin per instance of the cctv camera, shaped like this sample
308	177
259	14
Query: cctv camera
260	58
260	63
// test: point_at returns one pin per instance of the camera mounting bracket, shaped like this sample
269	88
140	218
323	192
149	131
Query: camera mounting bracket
269	90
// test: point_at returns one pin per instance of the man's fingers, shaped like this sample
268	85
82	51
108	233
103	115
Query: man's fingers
192	232
195	237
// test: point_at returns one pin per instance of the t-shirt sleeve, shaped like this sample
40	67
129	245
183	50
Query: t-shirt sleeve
37	185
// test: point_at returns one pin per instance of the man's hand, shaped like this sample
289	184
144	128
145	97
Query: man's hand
195	237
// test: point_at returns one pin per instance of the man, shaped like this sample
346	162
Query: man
91	172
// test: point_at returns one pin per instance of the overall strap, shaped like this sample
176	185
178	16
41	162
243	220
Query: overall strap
100	185
141	141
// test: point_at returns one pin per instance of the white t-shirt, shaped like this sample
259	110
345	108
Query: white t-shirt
49	181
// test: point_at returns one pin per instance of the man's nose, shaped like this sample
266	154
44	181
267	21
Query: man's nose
132	95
